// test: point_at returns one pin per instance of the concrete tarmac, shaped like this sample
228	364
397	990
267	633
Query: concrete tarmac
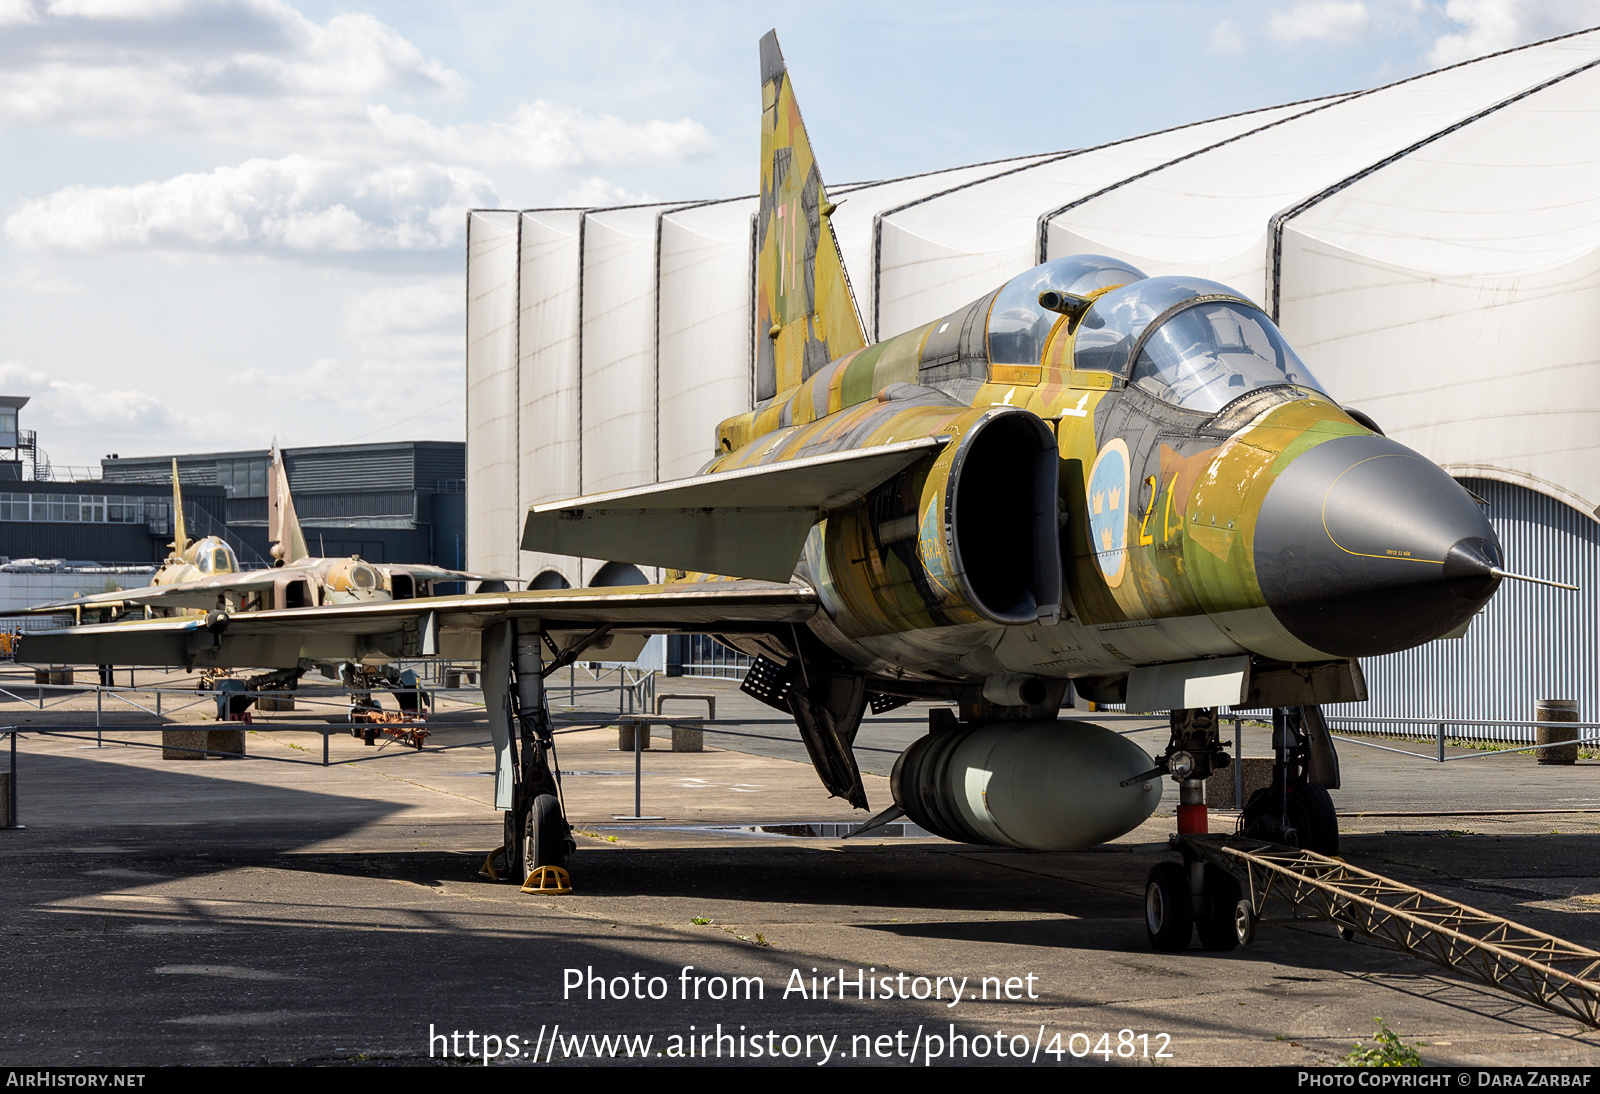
235	912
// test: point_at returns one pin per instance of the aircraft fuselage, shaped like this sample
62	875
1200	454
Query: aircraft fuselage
1158	446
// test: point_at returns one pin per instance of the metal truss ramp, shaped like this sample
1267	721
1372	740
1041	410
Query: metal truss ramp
1540	968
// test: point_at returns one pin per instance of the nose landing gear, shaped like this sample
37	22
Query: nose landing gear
1174	911
1201	898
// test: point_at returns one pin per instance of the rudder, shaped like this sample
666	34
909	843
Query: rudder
806	314
180	533
283	526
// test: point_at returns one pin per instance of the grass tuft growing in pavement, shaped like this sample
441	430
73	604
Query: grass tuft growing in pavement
1387	1050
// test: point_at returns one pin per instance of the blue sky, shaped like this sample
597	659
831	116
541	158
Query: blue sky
227	220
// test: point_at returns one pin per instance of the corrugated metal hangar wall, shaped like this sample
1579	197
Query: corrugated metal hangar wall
1431	247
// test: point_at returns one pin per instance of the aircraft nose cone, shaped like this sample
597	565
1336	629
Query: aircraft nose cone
1362	547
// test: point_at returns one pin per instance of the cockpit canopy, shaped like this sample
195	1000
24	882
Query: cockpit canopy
1019	327
213	556
1187	341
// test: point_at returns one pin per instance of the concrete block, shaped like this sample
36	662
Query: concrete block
176	743
1219	787
625	730
275	702
688	736
225	740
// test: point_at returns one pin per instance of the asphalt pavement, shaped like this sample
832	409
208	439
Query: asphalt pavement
272	909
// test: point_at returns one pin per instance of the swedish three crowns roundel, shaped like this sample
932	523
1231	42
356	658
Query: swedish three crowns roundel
1108	511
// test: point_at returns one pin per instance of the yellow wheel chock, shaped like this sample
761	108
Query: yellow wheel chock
548	881
487	870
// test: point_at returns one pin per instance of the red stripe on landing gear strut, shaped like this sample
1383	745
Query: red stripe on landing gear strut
1191	820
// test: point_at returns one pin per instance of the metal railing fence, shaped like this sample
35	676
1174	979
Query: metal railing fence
1416	729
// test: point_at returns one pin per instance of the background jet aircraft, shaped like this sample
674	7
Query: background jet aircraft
1089	478
206	576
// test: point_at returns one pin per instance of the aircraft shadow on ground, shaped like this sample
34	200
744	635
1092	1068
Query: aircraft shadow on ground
173	812
199	825
1506	875
369	972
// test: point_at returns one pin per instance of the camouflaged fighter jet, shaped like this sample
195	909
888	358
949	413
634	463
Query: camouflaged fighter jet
206	577
1088	480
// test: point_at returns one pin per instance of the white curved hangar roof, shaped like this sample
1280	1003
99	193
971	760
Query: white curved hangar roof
1431	247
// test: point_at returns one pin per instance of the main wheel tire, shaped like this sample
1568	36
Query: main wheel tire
1215	924
1168	907
545	839
1314	818
514	825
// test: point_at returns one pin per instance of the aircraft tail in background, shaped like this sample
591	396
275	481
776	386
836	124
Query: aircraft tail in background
180	534
283	526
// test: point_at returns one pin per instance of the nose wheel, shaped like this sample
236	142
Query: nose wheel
1174	912
1168	907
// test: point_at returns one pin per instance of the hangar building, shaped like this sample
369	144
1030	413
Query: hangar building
1431	248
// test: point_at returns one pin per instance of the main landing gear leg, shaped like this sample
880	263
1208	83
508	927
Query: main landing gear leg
546	837
1296	809
527	780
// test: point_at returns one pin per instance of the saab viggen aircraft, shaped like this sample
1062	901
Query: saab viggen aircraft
1088	479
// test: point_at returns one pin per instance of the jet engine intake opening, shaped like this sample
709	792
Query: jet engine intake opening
1003	518
293	593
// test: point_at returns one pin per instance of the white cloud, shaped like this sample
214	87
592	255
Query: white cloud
201	66
1321	21
1488	26
545	136
411	334
32	280
339	161
295	204
598	191
115	9
1227	38
259	73
15	12
418	306
120	419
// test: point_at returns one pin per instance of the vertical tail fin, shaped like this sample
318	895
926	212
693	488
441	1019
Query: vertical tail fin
180	534
806	314
283	527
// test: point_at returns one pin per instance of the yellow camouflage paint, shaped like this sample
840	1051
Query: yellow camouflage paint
1188	538
1219	539
806	315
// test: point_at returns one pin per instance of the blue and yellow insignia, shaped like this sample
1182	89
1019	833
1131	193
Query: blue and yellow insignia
1108	510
